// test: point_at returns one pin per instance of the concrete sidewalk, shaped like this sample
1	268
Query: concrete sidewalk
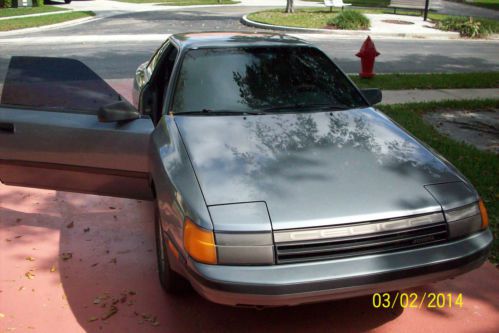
436	95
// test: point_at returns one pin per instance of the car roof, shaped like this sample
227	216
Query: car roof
194	40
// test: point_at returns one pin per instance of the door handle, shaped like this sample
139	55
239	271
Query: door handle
7	127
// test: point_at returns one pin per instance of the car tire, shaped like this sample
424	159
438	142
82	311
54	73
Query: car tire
171	281
67	2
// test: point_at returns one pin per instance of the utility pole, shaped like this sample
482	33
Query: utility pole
426	8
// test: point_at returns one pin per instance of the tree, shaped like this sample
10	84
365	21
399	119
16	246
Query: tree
289	6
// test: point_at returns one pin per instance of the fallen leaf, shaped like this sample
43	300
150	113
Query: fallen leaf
97	300
21	288
113	261
18	236
93	265
91	319
30	275
86	229
53	269
66	256
30	258
131	292
155	323
112	311
70	225
111	207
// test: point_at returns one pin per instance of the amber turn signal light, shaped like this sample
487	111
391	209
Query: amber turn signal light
483	213
199	243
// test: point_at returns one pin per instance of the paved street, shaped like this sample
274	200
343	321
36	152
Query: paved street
118	58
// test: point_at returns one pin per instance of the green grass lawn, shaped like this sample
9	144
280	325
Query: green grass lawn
37	21
480	167
185	2
317	18
302	17
491	4
429	81
7	12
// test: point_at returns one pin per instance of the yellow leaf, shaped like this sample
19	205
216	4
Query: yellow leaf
30	275
91	319
53	269
30	258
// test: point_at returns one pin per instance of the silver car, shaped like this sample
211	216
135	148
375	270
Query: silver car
276	181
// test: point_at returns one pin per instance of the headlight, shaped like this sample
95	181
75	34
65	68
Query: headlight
245	248
467	219
229	248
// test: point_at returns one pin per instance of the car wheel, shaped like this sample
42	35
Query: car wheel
67	1
170	280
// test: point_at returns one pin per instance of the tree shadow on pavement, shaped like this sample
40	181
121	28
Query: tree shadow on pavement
107	267
110	279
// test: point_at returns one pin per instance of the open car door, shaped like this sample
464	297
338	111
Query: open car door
51	136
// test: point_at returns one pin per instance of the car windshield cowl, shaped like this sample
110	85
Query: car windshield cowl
305	107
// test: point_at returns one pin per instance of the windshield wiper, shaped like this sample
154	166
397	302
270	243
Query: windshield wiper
204	112
306	107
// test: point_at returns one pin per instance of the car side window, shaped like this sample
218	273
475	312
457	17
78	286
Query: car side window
157	56
162	75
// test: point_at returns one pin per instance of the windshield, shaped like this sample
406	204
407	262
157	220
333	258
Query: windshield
259	79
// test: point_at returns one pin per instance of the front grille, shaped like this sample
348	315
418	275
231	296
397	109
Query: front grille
340	247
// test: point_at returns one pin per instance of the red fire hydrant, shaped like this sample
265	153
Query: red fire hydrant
367	55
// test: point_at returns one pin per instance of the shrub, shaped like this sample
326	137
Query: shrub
38	3
350	20
466	27
6	3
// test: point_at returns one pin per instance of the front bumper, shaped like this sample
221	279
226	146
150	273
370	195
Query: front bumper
310	282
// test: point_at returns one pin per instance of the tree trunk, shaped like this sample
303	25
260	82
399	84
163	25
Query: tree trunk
289	6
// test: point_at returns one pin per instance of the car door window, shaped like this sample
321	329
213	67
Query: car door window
55	84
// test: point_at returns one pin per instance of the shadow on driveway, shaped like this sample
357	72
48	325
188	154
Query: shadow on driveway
111	242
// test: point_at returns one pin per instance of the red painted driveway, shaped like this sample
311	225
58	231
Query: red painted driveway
66	258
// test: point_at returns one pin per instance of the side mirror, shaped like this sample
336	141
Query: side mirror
116	112
372	95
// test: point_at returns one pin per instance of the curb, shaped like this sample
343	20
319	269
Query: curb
50	26
357	33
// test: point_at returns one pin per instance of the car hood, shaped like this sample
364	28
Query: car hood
313	169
